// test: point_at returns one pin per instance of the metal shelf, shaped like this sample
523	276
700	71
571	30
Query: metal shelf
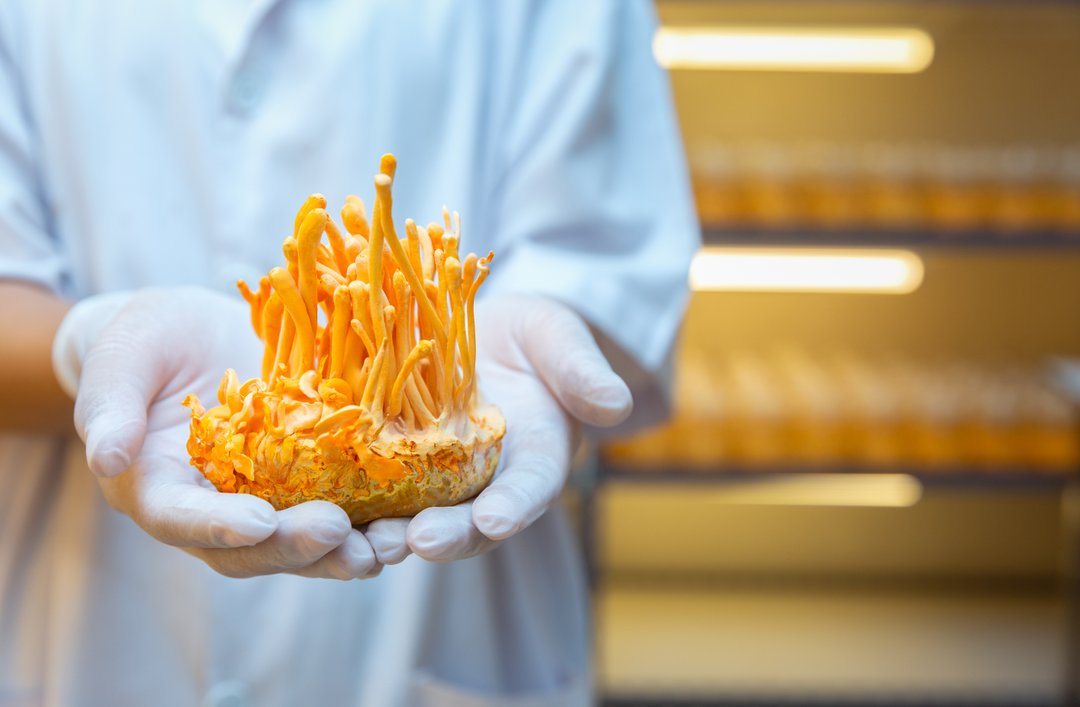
868	237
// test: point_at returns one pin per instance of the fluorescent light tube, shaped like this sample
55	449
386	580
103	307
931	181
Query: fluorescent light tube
904	50
735	269
866	490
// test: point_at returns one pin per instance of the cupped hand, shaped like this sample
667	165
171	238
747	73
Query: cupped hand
162	345
537	361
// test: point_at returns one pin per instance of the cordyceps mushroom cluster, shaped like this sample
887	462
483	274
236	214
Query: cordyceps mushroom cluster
368	395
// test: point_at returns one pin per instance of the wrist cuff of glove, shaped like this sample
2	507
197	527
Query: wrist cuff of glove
77	333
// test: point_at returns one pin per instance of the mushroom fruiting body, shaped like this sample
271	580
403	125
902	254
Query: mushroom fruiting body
376	408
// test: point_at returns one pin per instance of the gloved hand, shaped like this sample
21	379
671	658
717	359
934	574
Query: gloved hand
132	360
537	361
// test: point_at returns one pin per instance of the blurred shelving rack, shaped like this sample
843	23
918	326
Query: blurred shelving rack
938	232
967	164
1067	482
999	481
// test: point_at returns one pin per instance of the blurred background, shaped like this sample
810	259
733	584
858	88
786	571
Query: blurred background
865	494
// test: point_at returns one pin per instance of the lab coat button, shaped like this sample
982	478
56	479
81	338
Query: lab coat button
229	693
244	91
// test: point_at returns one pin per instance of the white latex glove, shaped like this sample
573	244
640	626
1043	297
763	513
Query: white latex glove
131	375
537	361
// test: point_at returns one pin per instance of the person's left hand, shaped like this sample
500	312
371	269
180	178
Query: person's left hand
539	363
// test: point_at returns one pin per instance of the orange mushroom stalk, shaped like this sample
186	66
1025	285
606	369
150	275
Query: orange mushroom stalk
368	394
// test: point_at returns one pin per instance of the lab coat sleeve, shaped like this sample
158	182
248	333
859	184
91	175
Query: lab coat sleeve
592	194
27	252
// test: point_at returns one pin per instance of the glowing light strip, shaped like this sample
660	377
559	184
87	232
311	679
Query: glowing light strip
874	271
904	50
866	490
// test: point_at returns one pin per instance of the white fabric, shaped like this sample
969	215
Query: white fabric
170	143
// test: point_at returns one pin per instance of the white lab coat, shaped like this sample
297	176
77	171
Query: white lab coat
170	142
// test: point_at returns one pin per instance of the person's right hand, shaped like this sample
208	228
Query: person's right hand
161	345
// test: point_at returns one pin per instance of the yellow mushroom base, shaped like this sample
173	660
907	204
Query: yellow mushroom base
392	475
